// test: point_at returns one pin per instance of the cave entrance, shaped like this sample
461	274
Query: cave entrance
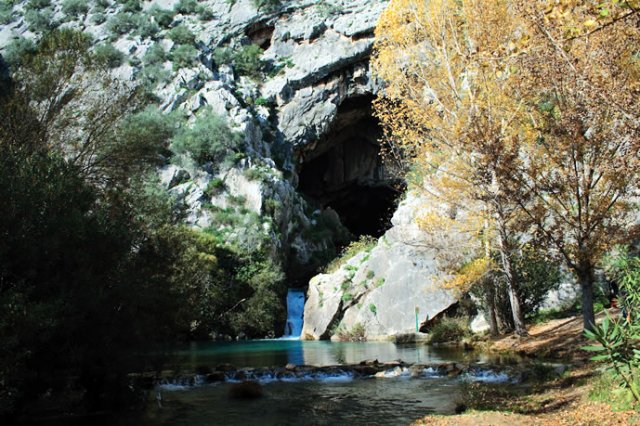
344	171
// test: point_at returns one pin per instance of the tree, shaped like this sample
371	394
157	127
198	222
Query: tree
443	105
578	70
555	87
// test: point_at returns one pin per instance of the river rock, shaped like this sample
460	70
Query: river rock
245	390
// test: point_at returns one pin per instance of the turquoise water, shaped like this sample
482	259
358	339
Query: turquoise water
336	400
278	353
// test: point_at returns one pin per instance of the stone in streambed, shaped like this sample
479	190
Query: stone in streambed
245	390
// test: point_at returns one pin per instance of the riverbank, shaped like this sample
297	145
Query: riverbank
563	400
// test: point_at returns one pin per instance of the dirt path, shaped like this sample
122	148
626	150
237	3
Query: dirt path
563	401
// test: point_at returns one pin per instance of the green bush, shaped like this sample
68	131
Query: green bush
148	29
98	18
245	61
617	338
449	330
163	17
75	7
6	13
365	243
154	55
40	21
268	5
209	139
122	23
355	334
130	6
14	52
181	35
215	186
204	13
183	56
108	56
37	4
186	7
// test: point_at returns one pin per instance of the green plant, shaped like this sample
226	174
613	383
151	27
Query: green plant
268	5
347	297
209	139
122	23
364	243
186	6
6	13
148	29
163	17
247	60
181	35
326	9
370	274
379	282
108	56
40	21
130	6
15	52
449	330
75	7
183	56
260	101
98	18
205	13
355	334
373	309
154	55
214	186
618	338
37	4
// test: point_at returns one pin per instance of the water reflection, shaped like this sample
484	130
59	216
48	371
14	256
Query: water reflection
273	353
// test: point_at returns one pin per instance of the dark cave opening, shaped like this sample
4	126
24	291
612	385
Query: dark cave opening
344	171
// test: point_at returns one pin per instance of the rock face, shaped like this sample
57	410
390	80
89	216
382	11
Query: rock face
382	289
311	162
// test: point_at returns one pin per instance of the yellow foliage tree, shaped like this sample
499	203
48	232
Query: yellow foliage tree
443	104
528	108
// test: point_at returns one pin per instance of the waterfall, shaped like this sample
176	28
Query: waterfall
295	311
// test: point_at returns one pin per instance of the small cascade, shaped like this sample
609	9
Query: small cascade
295	312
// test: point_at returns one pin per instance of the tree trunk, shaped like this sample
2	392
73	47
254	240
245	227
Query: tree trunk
514	298
585	276
490	309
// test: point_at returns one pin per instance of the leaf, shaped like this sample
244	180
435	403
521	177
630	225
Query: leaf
593	348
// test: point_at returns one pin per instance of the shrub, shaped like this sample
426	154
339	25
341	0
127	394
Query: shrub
355	334
148	29
154	55
131	6
186	6
183	56
107	55
154	74
14	52
75	7
618	338
210	139
37	4
215	186
122	23
163	17
181	35
40	21
364	243
98	18
6	13
204	13
449	330
268	5
247	60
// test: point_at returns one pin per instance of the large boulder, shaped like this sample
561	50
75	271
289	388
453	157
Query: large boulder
384	288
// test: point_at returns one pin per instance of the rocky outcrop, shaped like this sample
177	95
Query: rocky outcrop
382	289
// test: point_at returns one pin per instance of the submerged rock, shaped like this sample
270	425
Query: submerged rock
245	390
